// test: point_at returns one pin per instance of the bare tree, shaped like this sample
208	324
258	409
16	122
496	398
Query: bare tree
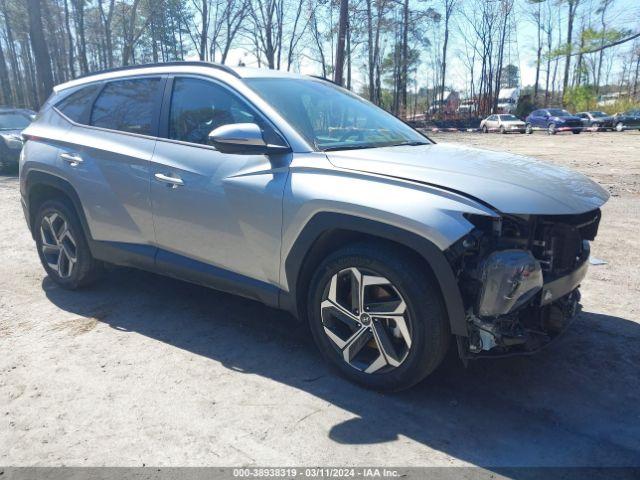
571	13
79	11
107	19
342	34
268	16
449	5
40	51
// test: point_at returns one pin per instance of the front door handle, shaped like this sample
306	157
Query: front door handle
72	159
173	181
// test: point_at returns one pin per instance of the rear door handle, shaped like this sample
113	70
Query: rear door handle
72	159
174	181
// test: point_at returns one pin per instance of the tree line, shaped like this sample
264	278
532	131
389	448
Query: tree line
397	53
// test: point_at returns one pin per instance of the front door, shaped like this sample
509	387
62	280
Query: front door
217	216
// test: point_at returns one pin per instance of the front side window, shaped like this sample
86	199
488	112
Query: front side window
127	105
200	106
76	105
330	118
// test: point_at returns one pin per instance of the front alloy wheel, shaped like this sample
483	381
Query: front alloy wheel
619	127
366	319
377	315
551	129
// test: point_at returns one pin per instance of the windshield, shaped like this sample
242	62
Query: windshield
598	114
14	121
331	118
558	112
509	118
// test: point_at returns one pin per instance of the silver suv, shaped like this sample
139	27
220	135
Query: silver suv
292	191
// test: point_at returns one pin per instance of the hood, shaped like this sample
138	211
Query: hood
509	183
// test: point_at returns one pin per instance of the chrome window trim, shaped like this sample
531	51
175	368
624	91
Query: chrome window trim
102	129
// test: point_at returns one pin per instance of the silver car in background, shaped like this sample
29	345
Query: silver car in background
295	192
503	123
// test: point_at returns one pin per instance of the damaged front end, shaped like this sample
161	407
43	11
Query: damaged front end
519	277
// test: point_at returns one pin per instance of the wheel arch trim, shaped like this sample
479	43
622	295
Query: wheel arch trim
325	222
37	177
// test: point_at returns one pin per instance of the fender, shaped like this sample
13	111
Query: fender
327	221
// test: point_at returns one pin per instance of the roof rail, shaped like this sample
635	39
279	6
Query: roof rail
218	66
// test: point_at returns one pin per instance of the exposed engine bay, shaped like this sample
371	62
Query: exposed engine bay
519	277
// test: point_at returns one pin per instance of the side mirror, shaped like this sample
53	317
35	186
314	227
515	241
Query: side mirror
243	138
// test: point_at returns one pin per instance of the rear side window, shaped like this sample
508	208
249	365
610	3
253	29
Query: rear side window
127	105
76	105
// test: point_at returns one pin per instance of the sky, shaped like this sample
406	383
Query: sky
521	50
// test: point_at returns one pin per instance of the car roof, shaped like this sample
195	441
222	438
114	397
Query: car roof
205	68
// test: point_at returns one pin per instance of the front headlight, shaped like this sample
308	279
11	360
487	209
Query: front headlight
13	141
510	278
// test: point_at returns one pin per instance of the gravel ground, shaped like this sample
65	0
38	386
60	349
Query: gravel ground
144	370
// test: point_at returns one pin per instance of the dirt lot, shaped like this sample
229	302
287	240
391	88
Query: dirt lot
146	370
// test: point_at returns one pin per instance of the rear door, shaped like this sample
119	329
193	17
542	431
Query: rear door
107	157
216	215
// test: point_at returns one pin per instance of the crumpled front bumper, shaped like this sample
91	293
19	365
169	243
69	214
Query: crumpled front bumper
520	311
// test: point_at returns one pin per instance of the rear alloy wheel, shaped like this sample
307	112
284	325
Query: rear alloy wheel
62	247
485	129
378	318
619	127
551	129
58	246
502	130
596	126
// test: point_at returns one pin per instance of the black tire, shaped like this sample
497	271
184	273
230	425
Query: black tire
485	129
528	129
575	132
427	320
502	130
86	269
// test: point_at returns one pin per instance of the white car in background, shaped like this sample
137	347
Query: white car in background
503	123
